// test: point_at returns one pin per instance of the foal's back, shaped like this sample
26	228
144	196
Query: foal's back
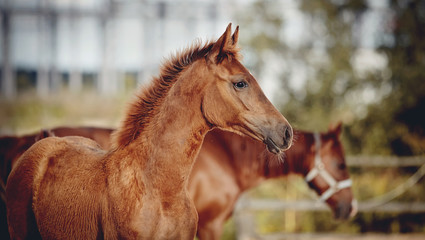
75	162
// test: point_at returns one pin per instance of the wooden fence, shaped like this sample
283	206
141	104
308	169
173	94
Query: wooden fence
246	207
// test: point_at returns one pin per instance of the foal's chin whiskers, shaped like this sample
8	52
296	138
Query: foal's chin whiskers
280	157
273	159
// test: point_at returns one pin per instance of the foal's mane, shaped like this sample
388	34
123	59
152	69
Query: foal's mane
142	109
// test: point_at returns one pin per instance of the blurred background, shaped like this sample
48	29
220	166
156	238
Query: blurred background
77	62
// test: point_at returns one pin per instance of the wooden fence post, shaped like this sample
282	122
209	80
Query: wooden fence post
244	220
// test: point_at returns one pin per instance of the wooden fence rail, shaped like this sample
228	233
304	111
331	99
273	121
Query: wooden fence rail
378	161
251	204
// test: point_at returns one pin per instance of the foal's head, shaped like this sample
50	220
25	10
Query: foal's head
229	96
234	100
328	174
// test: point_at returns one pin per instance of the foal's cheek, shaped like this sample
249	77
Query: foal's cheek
247	99
217	110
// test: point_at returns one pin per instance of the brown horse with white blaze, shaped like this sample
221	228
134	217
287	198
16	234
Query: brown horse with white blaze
229	164
69	188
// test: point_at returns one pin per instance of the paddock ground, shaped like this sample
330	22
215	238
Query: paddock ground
368	236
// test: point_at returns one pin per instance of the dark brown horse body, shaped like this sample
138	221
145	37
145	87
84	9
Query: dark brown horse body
229	164
11	148
70	188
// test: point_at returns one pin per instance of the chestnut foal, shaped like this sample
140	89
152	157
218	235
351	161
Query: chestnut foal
70	188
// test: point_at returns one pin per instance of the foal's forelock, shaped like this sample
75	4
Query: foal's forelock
142	109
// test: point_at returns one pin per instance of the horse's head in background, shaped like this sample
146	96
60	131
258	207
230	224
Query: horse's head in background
236	103
328	173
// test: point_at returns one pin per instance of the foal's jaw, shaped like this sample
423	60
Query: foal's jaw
265	126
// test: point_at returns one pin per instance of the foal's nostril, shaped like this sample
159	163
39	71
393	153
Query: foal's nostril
288	133
287	137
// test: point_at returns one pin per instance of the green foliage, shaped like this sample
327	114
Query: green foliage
229	231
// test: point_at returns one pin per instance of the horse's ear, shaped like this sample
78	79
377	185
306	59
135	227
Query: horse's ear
218	50
44	134
336	128
235	36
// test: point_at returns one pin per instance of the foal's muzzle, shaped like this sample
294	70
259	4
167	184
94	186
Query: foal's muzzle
271	146
285	142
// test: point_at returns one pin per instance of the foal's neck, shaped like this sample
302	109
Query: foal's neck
171	137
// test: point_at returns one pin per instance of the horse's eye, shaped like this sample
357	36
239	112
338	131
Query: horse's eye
240	85
342	166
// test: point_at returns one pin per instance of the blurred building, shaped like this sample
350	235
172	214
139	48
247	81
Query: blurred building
103	44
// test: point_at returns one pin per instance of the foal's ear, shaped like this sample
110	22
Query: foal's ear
224	45
235	36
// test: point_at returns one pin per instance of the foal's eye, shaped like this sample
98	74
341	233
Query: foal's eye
240	85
